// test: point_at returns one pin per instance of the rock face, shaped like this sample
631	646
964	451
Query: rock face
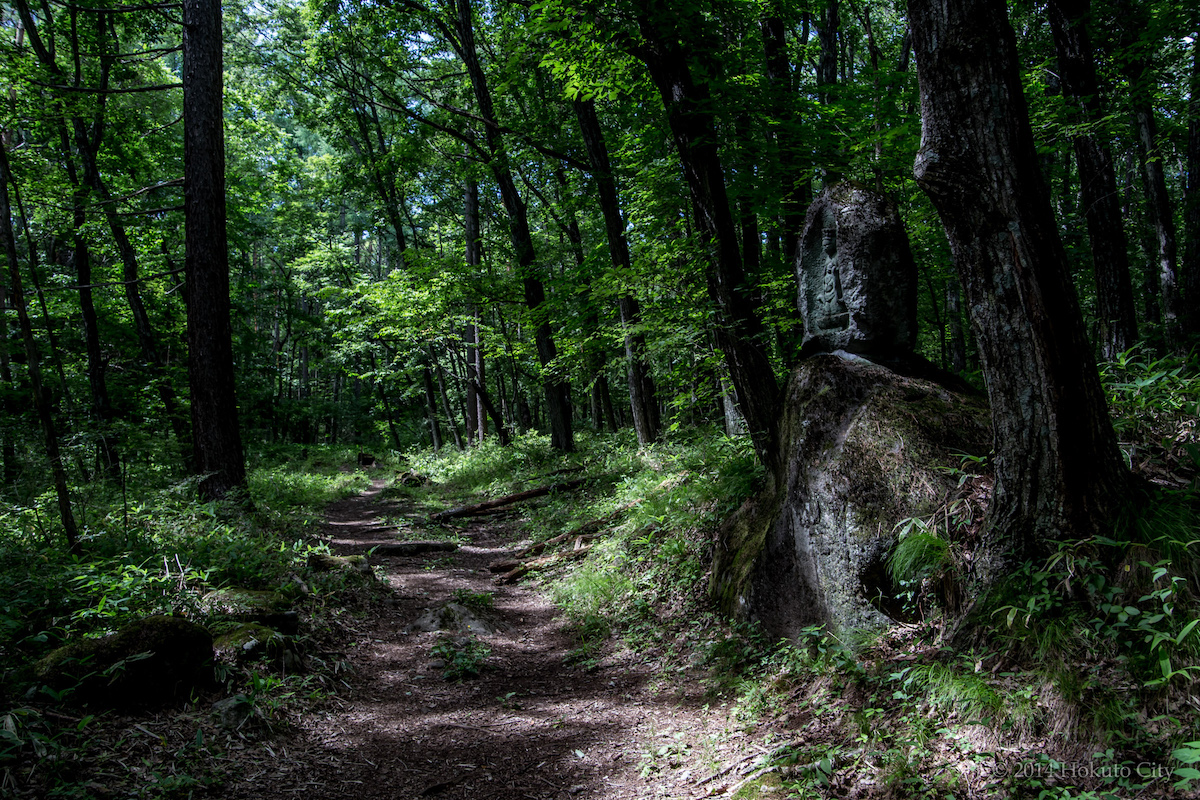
865	448
856	275
150	661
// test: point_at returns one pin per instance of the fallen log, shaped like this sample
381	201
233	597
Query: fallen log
542	563
585	529
504	565
529	494
413	548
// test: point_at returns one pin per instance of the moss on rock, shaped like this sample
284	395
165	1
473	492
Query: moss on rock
863	449
150	661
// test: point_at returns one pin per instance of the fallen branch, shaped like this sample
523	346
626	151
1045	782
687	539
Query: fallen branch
542	563
583	530
469	511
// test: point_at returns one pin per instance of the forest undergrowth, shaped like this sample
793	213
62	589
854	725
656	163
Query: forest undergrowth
1077	677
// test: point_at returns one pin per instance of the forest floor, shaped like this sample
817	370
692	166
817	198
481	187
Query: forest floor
534	723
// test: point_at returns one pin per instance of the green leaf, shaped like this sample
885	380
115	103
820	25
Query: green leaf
1186	630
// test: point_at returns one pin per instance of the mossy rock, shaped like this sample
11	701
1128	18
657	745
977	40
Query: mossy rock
320	562
148	662
863	448
247	641
243	603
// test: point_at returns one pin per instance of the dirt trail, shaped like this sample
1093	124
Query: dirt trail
530	726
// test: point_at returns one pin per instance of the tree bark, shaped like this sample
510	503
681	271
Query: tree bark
739	331
217	441
643	399
1059	473
1097	180
147	341
1162	218
555	389
441	380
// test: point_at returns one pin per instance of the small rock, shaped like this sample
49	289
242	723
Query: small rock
451	617
234	712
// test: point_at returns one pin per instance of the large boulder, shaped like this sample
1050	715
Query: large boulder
864	449
150	661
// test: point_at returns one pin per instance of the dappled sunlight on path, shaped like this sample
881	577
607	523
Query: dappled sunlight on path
530	725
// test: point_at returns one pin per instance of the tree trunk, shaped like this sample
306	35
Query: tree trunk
476	415
472	406
555	389
794	174
217	441
1097	180
1190	269
958	341
147	341
41	398
1059	473
1162	218
643	399
435	430
102	411
441	379
739	331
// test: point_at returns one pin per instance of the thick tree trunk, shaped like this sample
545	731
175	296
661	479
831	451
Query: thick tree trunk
739	331
643	399
1059	473
555	389
41	398
217	440
1097	180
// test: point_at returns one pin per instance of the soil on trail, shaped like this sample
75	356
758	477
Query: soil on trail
531	725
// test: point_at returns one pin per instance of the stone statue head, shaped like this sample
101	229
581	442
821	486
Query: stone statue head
856	277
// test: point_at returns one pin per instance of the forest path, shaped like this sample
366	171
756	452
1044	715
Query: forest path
529	726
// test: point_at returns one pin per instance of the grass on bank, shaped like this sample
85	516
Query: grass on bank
150	548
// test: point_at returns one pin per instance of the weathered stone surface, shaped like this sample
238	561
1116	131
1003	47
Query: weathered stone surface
856	275
865	448
451	617
235	711
250	641
149	661
320	562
